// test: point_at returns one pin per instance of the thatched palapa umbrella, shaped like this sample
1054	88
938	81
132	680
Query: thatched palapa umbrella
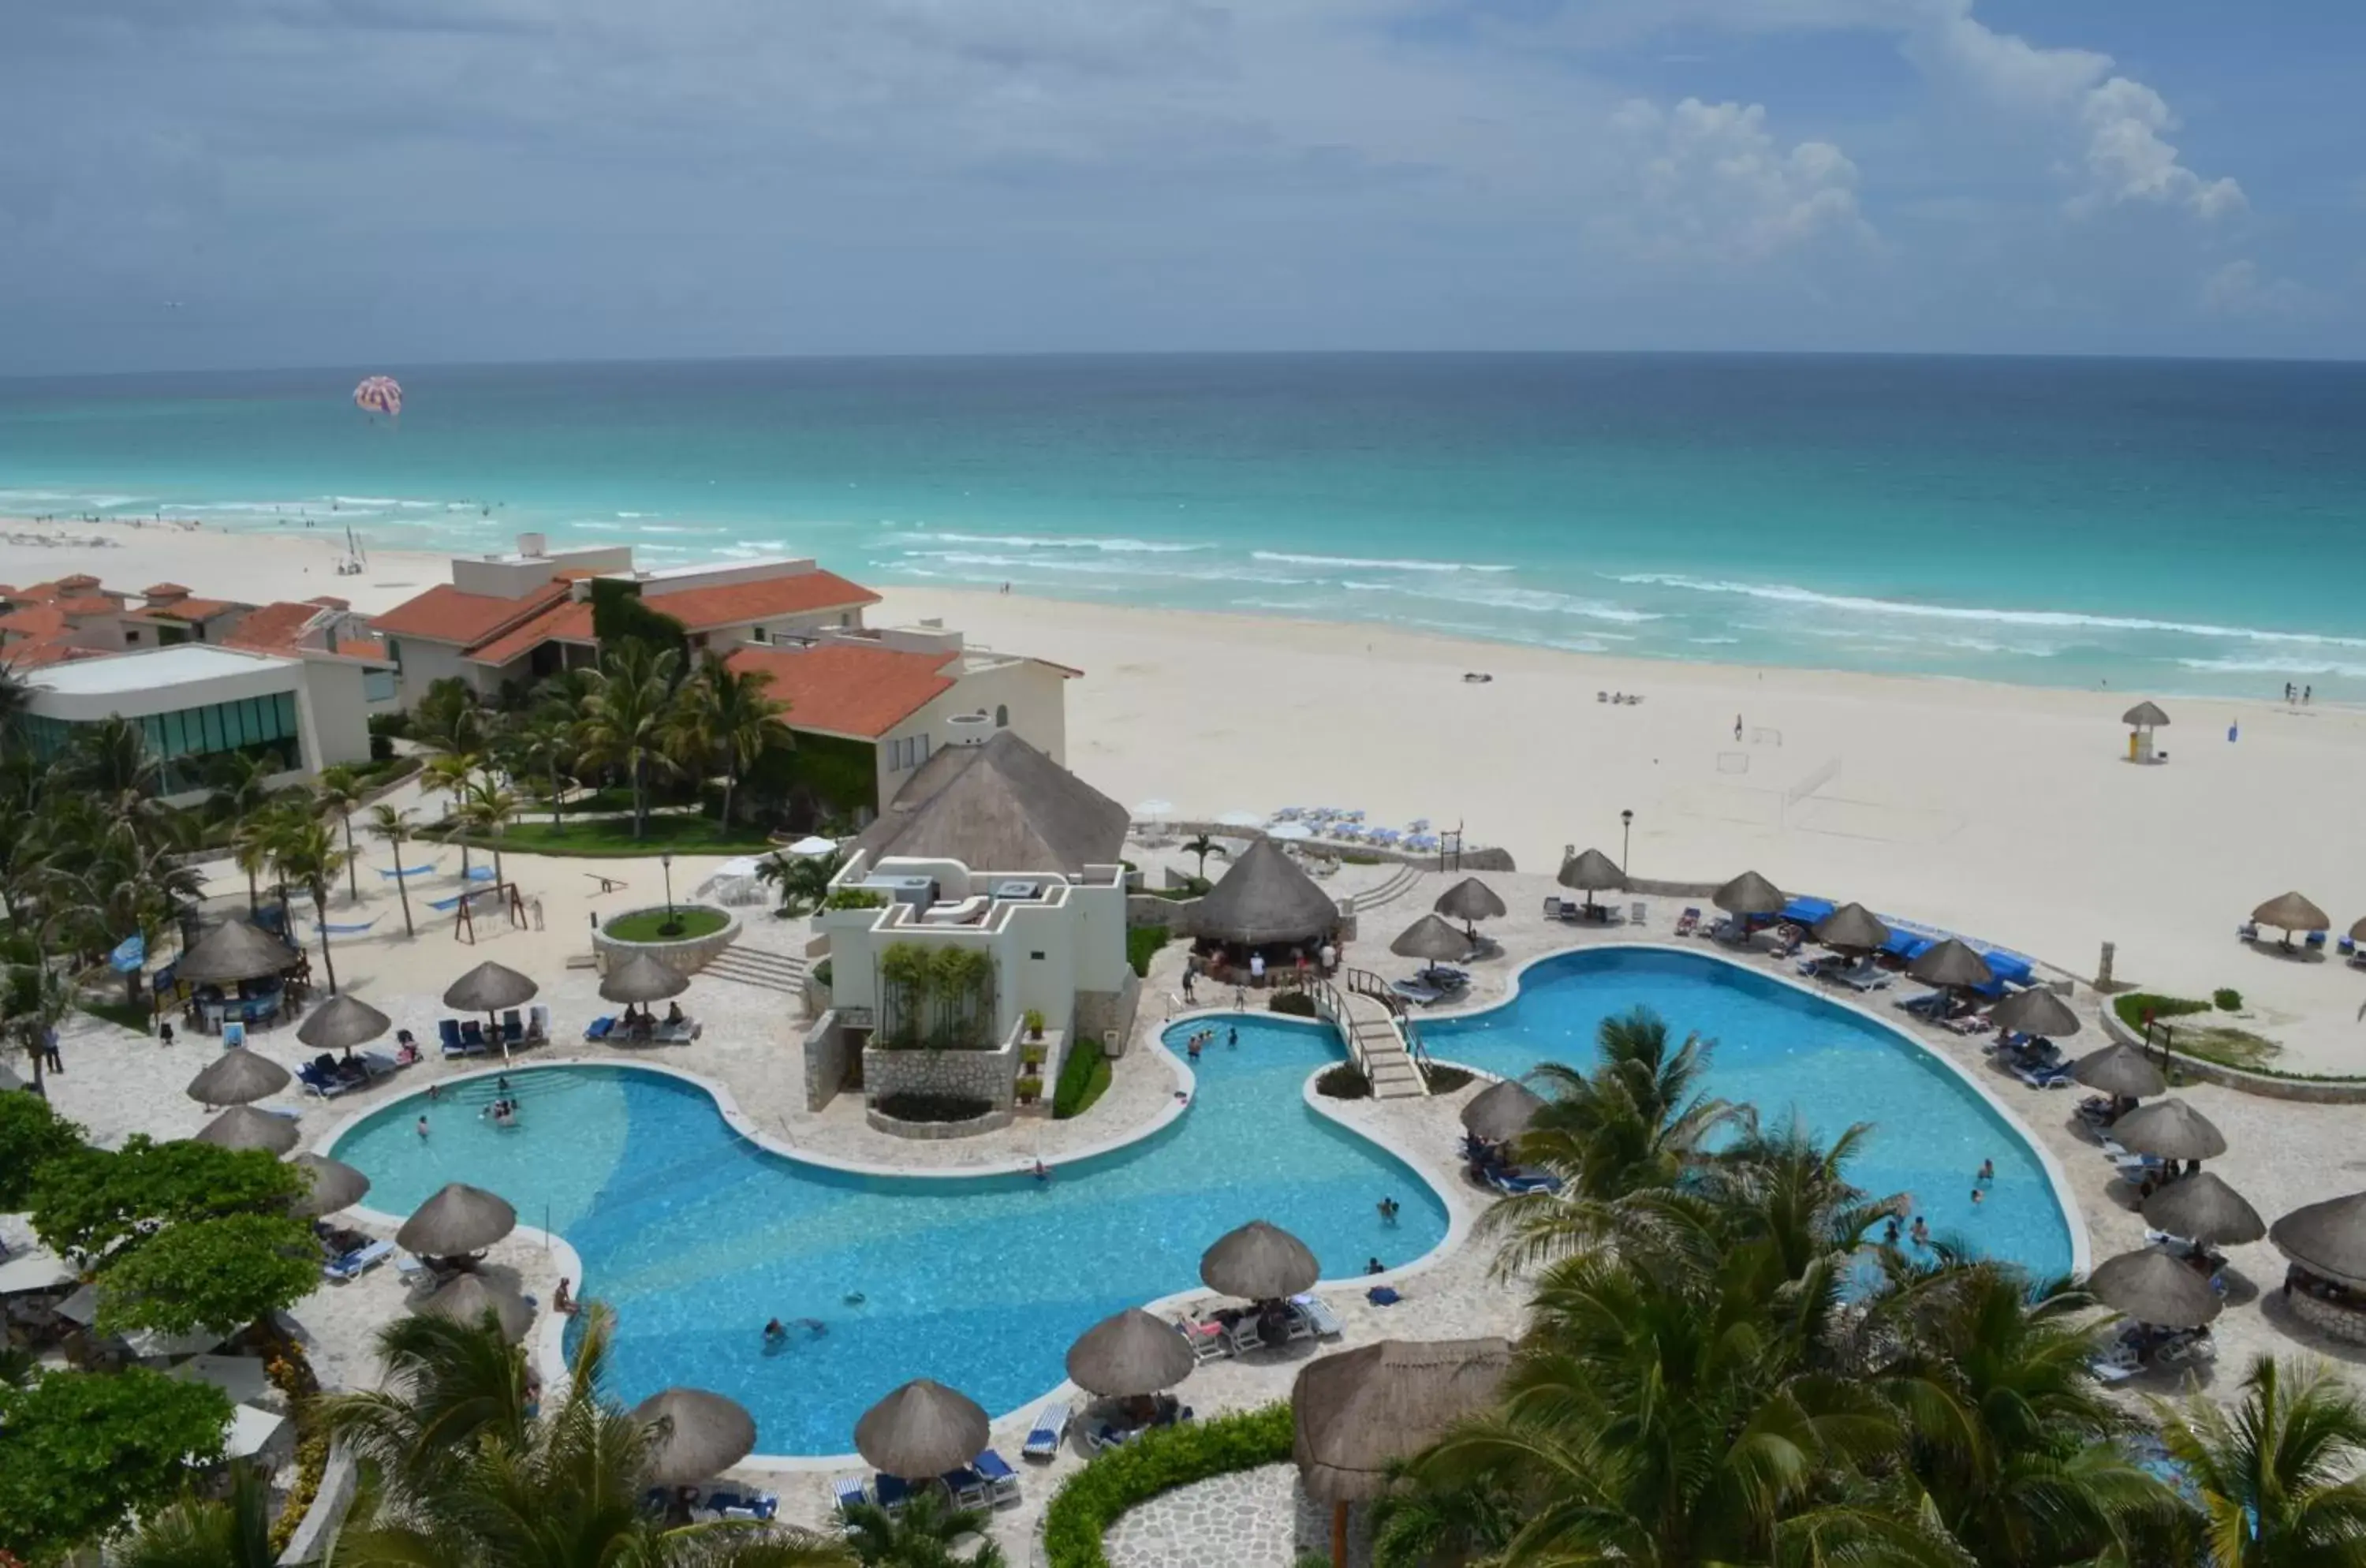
2328	1239
2144	715
2152	1287
642	978
1129	1356
1591	871
922	1430
1361	1411
1951	966
2203	1210
2291	912
2169	1129
1263	897
239	1076
700	1435
1469	901
2120	1071
332	1185
1750	893
2358	931
1502	1112
488	989
1432	938
1853	927
342	1022
235	950
1260	1262
466	1298
2036	1011
460	1219
244	1127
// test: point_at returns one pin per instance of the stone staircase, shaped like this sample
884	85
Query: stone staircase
760	967
1402	881
1386	1062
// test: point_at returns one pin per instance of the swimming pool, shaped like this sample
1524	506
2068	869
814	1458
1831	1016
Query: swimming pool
1786	1050
697	1236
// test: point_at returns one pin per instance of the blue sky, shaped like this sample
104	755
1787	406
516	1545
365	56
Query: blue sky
347	181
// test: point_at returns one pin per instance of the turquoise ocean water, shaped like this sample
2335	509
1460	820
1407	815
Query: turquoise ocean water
2176	526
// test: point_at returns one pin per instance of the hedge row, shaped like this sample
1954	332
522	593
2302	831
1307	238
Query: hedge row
1158	1461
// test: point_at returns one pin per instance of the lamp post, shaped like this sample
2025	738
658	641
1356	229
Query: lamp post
1625	839
672	926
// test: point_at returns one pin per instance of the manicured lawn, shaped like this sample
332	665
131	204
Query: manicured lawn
682	835
642	924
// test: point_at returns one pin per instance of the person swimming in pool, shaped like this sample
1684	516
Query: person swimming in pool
775	1332
1987	1171
1388	1211
1921	1232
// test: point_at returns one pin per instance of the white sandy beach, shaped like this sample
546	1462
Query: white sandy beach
2005	812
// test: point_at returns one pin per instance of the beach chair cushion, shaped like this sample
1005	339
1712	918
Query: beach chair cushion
598	1028
890	1492
359	1261
447	1029
512	1026
967	1486
846	1491
1043	1437
1318	1314
1001	1481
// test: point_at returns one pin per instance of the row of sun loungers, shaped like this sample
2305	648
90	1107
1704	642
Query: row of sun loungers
467	1037
348	1266
326	1077
721	1503
986	1480
1310	1317
615	1032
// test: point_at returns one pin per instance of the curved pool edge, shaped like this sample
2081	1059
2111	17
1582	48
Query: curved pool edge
2081	1244
546	1343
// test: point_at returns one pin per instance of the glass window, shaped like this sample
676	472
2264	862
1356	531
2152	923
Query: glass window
287	704
209	724
175	741
240	725
377	686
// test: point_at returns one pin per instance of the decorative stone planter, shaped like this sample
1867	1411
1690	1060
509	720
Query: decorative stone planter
933	1132
686	955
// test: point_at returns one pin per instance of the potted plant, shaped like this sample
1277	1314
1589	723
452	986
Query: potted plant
1031	1089
1034	1023
1030	1056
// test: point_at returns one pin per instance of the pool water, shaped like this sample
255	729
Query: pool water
697	1236
1790	1052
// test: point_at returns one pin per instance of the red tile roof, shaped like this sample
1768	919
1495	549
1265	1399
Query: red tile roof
79	580
34	620
842	689
28	655
370	648
565	622
178	610
163	590
443	614
274	628
738	604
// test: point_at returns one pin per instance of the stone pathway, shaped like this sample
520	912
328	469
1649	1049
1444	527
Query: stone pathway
1254	1519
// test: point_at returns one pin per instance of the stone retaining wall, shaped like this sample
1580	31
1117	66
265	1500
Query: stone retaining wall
1099	1013
687	956
2311	1091
829	1051
937	1132
990	1076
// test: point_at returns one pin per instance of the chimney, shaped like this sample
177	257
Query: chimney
533	547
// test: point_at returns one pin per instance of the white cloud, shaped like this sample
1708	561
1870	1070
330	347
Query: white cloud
2129	161
2240	290
1709	181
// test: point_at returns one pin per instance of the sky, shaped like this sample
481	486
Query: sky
211	184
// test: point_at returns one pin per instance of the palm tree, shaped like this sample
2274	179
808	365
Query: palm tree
547	742
338	791
2279	1474
921	1534
16	697
232	1533
803	880
250	848
241	784
488	809
449	715
391	826
1202	846
626	718
141	892
447	773
305	852
723	714
473	1481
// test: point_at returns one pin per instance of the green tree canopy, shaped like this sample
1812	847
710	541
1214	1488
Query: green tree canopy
90	1201
79	1451
31	1134
216	1274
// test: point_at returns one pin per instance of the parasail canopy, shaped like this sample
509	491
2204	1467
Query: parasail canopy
380	394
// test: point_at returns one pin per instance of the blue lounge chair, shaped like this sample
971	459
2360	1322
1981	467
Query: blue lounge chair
1804	911
481	873
472	1038
598	1028
2055	1076
2315	940
447	1029
1001	1481
1043	1437
846	1491
967	1486
890	1492
356	1263
512	1027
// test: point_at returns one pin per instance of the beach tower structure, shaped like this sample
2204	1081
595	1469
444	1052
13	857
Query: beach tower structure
2141	720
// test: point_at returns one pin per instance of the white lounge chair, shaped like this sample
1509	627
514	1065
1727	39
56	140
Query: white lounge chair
1208	1340
846	1491
1244	1338
1317	1314
1043	1437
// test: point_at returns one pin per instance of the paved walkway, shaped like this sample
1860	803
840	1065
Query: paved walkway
1254	1519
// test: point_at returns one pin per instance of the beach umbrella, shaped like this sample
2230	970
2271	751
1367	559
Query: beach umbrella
642	978
1357	1414
459	1219
1129	1356
2152	1287
1501	1112
2120	1071
2328	1239
923	1428
1260	1262
233	950
2036	1011
1590	872
1951	964
342	1022
1431	938
2291	912
244	1127
2144	715
466	1298
1852	926
330	1185
2169	1129
1750	893
1289	833
488	989
238	1077
2203	1210
1469	901
1241	819
701	1435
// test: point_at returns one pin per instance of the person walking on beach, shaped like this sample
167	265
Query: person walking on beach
1737	727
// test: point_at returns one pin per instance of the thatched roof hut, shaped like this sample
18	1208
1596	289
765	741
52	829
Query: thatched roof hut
701	1435
233	950
1264	897
1000	806
1361	1411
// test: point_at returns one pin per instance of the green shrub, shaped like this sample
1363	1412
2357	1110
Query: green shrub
381	748
854	898
2133	1006
1141	942
1444	1079
1346	1081
1083	1079
821	972
1158	1461
394	726
2227	1000
1297	1004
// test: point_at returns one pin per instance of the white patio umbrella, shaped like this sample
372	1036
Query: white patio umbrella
1241	819
1289	833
